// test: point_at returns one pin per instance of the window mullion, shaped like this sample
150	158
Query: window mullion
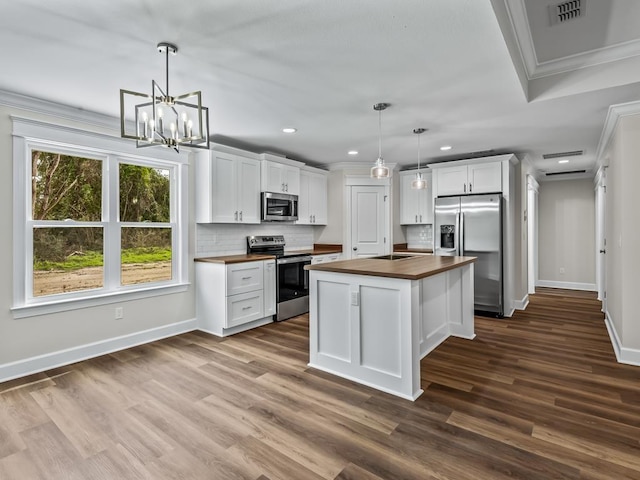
111	223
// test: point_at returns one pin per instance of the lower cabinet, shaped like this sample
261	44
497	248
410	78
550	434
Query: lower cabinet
231	298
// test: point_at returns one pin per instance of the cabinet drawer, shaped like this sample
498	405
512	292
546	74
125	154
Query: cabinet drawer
244	308
244	277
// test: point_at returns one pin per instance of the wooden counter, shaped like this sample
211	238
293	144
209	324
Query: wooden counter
410	268
235	258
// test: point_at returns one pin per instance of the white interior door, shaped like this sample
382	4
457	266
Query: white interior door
368	221
532	234
601	241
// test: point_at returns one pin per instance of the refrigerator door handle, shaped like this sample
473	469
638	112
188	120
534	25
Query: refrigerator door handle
457	237
461	241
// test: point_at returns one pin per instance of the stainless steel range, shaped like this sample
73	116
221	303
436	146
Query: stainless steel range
292	280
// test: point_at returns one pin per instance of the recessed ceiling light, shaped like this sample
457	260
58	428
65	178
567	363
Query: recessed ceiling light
445	147
289	130
563	161
352	152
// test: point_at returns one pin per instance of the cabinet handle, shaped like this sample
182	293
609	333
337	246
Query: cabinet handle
246	278
246	308
416	218
282	188
465	188
286	186
235	216
470	188
240	215
314	219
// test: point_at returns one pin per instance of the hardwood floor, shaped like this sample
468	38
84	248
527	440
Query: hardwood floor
537	396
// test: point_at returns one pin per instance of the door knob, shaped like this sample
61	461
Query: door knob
355	248
603	251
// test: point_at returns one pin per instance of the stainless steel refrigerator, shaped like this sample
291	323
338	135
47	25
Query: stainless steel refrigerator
471	225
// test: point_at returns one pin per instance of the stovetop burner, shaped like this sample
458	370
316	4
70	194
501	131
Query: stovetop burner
270	245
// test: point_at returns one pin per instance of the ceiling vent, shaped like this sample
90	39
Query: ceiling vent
565	11
574	153
549	174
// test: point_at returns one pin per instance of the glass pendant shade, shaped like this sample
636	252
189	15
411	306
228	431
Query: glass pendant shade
419	183
379	169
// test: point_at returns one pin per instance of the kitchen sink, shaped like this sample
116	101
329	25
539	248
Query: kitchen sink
394	256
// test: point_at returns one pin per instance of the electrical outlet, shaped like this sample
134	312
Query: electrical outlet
561	270
119	313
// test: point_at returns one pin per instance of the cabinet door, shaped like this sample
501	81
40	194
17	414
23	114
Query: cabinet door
291	179
485	178
409	199
244	308
272	177
426	201
248	190
244	277
269	287
304	208
224	207
452	180
318	198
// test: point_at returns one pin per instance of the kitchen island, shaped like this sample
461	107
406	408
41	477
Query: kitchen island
371	320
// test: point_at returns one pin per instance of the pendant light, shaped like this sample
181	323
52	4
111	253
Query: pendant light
419	183
379	169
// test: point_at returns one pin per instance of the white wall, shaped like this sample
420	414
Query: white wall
623	235
25	338
567	234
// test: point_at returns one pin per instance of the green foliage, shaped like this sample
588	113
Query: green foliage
95	259
144	194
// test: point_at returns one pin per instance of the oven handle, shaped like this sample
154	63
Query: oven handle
301	259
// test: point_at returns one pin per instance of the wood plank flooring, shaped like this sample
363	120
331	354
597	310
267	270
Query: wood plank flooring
537	396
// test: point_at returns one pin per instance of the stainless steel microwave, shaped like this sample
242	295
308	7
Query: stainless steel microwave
279	207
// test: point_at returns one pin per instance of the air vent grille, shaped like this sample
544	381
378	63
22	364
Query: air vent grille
574	153
566	11
549	174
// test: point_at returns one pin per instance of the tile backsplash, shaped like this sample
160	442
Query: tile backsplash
215	239
420	236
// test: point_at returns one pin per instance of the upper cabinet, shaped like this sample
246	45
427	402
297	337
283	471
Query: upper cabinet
416	206
467	178
312	200
227	189
280	178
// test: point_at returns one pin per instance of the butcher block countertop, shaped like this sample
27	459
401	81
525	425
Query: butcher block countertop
410	268
236	258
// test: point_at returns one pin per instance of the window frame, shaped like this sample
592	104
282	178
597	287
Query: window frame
31	135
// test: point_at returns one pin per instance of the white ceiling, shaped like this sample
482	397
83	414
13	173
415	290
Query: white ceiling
456	67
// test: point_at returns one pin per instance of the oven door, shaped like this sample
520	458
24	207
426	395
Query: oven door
293	279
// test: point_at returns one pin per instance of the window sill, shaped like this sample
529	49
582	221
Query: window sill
95	301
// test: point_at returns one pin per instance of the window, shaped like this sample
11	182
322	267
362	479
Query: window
94	222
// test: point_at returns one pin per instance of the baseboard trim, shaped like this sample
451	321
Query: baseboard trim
521	304
40	363
629	356
591	287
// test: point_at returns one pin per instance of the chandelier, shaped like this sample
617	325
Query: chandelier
379	169
162	119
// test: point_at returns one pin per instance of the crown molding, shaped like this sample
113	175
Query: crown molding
59	110
611	122
517	16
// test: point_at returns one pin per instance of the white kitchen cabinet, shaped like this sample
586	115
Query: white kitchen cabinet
312	200
469	179
416	206
227	189
269	287
325	258
234	297
280	178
